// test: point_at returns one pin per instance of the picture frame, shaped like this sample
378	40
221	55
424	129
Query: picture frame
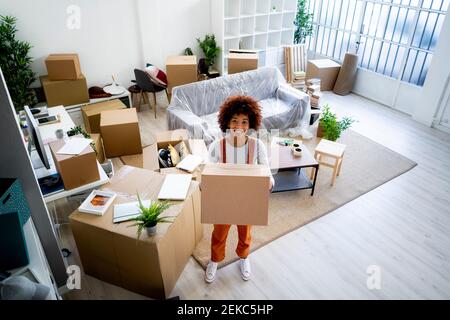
97	202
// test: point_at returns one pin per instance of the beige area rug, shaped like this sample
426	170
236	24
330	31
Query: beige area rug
366	166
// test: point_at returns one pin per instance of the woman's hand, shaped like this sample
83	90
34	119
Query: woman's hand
270	186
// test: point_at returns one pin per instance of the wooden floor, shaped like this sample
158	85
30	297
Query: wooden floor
401	228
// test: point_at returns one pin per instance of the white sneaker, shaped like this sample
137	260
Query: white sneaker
210	273
244	266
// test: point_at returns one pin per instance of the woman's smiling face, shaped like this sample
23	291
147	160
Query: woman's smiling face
239	124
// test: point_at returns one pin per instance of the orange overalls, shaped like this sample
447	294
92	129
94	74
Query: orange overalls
220	232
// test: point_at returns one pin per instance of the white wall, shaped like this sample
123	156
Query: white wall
169	26
114	36
107	41
435	82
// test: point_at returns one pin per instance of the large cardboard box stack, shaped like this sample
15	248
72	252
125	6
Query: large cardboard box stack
75	170
326	70
120	132
180	70
235	194
91	113
240	62
151	265
65	84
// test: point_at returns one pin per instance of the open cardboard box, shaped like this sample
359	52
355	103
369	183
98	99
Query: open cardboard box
150	265
149	157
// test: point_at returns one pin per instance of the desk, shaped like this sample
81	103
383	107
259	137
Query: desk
48	135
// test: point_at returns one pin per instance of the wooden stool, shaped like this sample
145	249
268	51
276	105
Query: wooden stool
333	150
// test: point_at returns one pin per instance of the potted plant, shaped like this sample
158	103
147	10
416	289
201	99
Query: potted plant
210	50
303	22
330	127
15	63
150	217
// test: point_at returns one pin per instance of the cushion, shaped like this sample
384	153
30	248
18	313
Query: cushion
156	75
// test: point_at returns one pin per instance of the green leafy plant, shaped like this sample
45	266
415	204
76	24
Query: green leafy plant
188	52
79	130
15	63
303	22
332	128
150	216
209	48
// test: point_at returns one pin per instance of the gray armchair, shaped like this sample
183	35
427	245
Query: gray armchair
195	106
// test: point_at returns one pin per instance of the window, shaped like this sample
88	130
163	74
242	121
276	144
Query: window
392	37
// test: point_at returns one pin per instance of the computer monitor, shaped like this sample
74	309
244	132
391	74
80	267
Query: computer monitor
35	137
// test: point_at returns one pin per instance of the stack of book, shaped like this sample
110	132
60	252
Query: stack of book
299	80
313	90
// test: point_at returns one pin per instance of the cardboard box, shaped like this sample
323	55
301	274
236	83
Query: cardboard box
63	66
195	175
180	70
326	70
98	147
65	92
235	194
151	265
75	170
239	62
148	159
120	132
91	113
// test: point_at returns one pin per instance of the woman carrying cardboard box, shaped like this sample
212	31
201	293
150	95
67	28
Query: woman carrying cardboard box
237	115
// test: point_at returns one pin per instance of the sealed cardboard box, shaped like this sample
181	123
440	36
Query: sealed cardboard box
65	92
75	170
120	132
326	70
98	147
150	265
91	113
148	159
239	62
180	70
63	66
235	194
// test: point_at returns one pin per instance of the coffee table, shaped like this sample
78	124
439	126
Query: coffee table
287	169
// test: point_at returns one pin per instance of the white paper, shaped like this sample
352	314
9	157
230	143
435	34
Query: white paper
189	163
74	146
175	187
129	210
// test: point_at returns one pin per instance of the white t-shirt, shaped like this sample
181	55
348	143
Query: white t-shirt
238	155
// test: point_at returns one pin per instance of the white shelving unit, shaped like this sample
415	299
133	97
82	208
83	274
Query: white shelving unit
263	25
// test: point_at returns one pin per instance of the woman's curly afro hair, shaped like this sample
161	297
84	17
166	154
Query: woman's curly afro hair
235	105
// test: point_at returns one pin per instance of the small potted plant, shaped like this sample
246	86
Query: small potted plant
150	217
210	50
330	127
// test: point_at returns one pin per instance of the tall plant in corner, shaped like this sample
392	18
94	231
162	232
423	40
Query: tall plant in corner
303	22
15	64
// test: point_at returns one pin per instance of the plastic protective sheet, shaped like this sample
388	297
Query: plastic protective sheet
195	106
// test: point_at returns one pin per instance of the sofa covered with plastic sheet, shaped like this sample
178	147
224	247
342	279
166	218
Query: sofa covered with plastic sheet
195	106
